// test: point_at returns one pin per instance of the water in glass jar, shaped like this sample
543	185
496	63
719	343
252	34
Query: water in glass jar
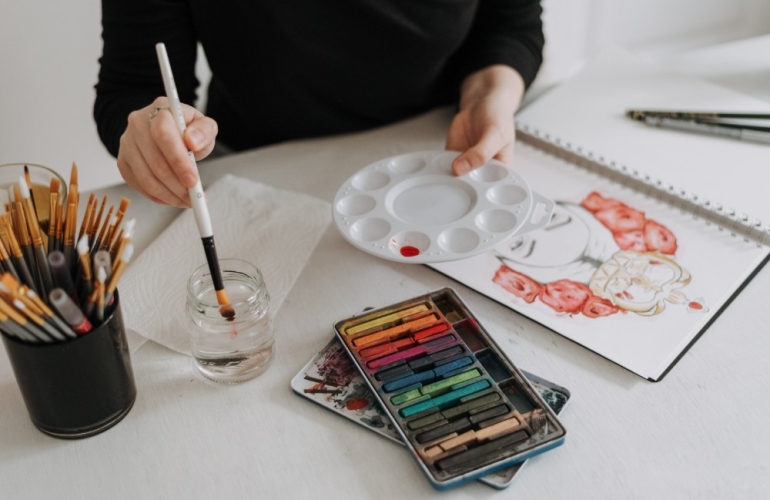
231	351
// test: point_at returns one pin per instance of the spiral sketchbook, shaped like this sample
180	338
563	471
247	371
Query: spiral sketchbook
633	266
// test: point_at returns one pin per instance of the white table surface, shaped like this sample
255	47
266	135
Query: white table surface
700	433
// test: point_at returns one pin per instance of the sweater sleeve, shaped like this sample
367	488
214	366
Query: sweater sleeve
506	32
129	75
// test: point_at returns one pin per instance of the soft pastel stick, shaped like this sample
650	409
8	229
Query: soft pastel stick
444	399
395	372
478	453
416	378
459	425
386	348
395	330
414	396
453	365
395	316
442	385
470	405
410	353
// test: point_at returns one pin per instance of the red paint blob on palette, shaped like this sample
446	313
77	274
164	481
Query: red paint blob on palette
356	404
695	305
409	251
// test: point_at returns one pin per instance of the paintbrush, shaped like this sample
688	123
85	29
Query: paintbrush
197	198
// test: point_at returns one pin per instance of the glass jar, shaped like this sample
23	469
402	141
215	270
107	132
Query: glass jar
238	349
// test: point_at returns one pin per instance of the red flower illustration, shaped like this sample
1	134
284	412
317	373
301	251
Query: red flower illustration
631	240
658	237
518	284
565	295
620	219
597	306
595	202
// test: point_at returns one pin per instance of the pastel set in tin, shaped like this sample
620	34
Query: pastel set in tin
459	403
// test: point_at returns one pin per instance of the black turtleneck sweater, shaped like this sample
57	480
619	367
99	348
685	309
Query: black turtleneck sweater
287	69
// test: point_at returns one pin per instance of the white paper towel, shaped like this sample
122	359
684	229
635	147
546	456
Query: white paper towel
274	229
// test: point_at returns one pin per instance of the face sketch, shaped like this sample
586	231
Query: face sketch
572	246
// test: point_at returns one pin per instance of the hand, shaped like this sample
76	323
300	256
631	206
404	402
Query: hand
153	157
483	127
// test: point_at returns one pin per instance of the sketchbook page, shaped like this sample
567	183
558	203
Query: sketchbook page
616	271
588	112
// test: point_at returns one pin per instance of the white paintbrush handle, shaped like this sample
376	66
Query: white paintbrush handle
197	198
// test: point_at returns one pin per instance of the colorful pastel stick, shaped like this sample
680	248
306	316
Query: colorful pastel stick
463	408
395	316
444	399
443	385
459	425
396	371
412	352
480	453
415	378
394	331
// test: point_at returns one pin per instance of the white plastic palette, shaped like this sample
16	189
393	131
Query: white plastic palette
411	208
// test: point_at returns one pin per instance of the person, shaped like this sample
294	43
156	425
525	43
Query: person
304	68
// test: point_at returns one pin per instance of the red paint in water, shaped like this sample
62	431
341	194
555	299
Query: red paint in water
695	305
356	404
409	251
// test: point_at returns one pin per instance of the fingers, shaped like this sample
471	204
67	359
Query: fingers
493	143
154	158
165	136
200	134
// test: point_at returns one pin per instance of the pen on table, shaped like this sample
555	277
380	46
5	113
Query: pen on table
641	115
706	123
755	134
197	198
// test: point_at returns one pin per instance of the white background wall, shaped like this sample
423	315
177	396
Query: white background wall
49	52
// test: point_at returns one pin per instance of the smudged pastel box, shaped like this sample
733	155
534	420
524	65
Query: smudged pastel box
459	404
332	381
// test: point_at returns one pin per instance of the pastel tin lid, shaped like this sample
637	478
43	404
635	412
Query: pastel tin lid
411	208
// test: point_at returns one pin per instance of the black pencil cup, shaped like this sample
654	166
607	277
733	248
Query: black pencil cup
79	387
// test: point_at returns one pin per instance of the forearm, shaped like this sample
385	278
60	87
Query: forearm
507	32
129	77
500	83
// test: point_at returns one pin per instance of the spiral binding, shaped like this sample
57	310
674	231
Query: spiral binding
725	218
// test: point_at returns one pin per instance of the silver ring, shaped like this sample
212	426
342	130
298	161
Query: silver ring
155	111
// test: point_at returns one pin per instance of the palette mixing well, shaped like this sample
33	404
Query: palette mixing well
411	208
461	406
